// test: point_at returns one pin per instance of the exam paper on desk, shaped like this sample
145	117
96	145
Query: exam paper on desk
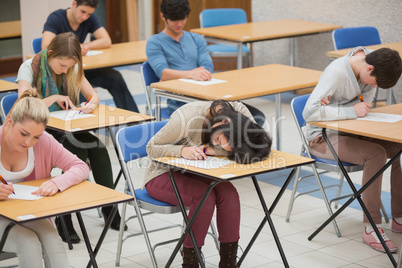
93	52
209	163
23	192
380	117
67	115
203	83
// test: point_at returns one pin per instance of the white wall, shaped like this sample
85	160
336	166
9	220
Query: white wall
385	15
33	17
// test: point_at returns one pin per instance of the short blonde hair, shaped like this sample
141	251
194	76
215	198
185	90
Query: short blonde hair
29	106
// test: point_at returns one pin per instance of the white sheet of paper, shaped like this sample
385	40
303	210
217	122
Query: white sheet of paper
380	117
23	192
209	163
203	83
67	115
93	52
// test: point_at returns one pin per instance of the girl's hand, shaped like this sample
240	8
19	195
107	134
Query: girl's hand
6	190
48	188
88	108
64	102
193	153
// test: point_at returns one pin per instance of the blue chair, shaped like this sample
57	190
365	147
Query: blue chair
327	165
358	36
6	103
220	17
36	45
148	77
131	145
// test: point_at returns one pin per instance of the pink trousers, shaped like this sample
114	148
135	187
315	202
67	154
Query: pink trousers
192	187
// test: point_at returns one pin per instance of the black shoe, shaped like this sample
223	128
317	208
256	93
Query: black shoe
115	225
74	238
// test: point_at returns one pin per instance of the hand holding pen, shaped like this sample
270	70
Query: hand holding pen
5	190
362	108
86	103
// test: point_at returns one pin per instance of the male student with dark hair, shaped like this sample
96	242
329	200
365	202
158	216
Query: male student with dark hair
175	53
80	20
345	91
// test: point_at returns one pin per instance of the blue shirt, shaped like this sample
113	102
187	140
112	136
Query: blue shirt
57	23
190	53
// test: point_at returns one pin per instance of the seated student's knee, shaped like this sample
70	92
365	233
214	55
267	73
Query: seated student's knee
29	244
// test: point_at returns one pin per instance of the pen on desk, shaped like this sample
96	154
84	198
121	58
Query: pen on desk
4	181
89	99
361	98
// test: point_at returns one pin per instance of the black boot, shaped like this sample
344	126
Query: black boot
189	258
74	238
228	253
115	225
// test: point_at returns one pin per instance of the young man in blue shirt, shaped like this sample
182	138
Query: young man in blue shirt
80	20
175	53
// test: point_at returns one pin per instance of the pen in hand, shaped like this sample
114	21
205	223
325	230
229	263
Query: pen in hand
361	98
4	181
89	99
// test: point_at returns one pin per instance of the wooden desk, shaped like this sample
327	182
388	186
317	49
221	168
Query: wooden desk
6	86
83	196
240	34
117	55
242	84
277	161
105	117
334	54
379	130
10	29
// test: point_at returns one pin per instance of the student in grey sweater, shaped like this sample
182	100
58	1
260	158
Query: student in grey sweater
337	97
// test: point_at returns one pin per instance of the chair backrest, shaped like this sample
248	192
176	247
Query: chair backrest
222	16
6	103
356	36
148	77
297	106
132	140
36	45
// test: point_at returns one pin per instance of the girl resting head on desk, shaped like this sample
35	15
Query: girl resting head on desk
29	153
223	129
58	76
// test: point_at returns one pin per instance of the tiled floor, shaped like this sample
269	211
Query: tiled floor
325	250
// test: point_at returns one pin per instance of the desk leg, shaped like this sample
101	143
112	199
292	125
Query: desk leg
103	234
240	55
190	223
158	107
113	137
278	123
292	51
268	218
86	239
357	196
5	234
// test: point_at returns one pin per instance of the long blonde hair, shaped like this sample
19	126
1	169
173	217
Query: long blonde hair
67	45
29	106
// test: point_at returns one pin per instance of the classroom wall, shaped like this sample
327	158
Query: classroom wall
33	17
385	15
